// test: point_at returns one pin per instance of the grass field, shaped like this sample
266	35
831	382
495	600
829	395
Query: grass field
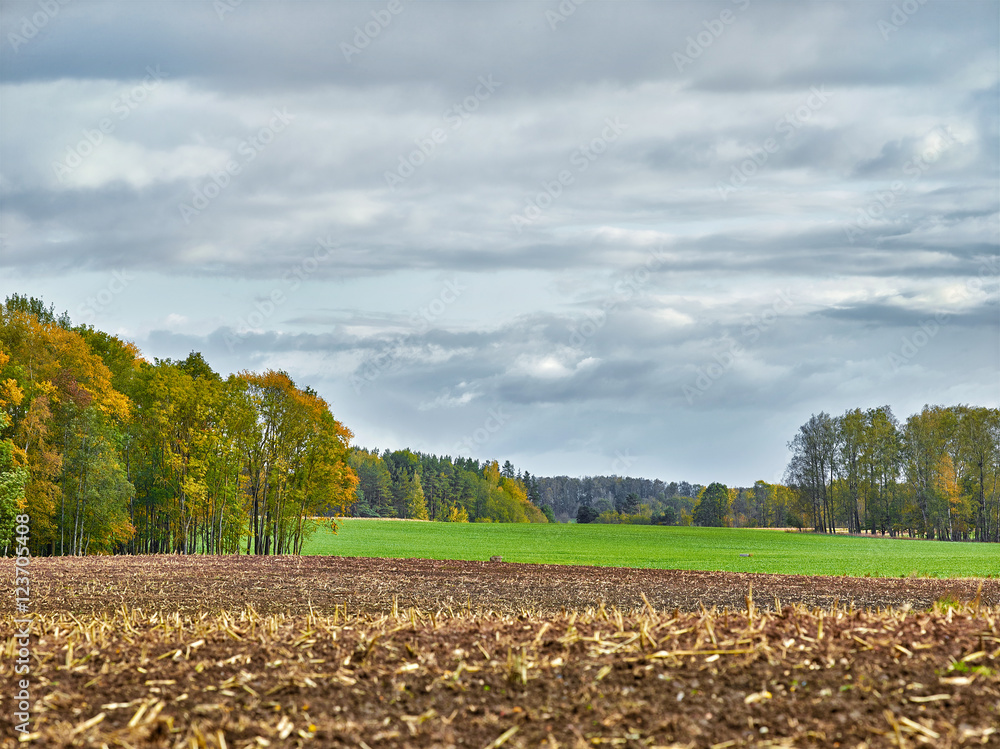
660	547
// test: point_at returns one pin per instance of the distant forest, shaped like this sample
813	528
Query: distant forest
102	451
405	484
935	476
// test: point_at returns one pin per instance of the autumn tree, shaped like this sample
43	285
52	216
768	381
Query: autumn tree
68	423
413	498
120	455
13	474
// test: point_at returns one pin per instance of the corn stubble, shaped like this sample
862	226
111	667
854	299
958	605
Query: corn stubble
176	651
775	675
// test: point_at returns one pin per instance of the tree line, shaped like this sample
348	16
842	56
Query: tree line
406	484
610	498
626	500
109	453
936	475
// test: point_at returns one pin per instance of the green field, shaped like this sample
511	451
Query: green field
660	547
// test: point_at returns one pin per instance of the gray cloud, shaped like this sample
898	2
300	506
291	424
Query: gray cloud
589	219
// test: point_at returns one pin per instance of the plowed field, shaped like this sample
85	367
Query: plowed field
241	652
293	584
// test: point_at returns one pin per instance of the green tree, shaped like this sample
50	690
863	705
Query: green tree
713	506
667	516
850	438
924	437
881	464
629	504
95	488
374	481
811	469
122	455
13	479
979	438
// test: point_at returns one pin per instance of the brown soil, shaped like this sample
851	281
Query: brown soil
300	584
210	672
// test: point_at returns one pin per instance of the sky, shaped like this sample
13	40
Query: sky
644	239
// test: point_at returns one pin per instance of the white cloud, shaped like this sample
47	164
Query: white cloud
139	167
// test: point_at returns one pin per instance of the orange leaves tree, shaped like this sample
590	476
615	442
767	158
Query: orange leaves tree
13	475
295	457
226	465
108	453
67	421
178	444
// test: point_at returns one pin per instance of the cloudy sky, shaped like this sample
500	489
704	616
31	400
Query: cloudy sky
615	237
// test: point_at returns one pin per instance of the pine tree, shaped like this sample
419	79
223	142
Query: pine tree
416	504
508	470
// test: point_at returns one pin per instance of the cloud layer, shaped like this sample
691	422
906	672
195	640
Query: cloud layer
653	237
